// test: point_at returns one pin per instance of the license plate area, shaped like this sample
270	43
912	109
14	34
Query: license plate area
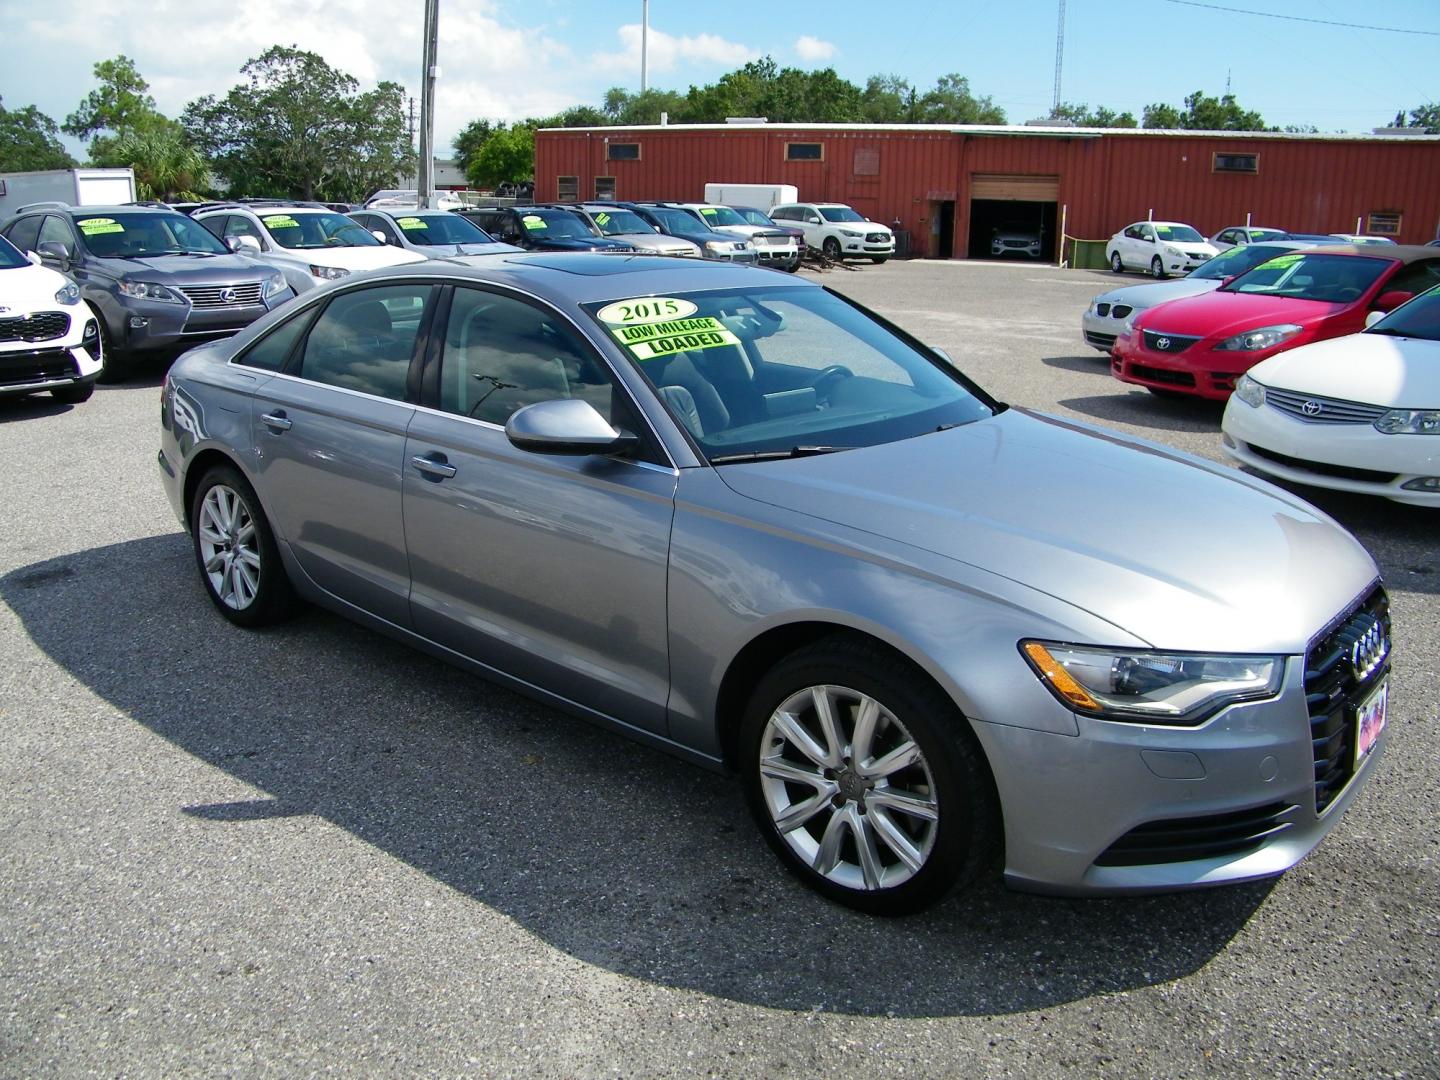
1370	716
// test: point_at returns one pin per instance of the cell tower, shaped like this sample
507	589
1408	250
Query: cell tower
1059	59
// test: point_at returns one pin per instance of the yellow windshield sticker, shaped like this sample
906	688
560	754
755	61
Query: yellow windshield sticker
602	219
1282	262
533	221
648	341
280	221
96	225
709	211
410	223
649	310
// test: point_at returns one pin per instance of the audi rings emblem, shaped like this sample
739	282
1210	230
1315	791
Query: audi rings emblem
227	296
1312	408
1162	343
1369	651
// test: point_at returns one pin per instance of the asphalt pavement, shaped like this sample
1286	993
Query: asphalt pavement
314	851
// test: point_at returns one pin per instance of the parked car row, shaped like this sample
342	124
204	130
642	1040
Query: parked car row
1164	248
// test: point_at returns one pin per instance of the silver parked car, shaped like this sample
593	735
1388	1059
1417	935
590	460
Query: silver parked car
738	517
436	234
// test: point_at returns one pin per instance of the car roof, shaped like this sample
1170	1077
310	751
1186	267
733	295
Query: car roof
119	208
1405	253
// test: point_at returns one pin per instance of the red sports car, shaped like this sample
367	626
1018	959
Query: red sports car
1200	345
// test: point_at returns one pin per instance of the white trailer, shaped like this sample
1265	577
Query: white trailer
760	196
73	187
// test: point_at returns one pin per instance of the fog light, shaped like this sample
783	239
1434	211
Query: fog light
90	331
138	322
1422	483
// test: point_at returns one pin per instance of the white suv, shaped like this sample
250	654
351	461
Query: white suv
838	230
49	339
309	244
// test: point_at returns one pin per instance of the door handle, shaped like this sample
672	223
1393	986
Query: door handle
433	466
276	421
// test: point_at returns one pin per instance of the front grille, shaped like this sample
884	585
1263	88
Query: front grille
17	369
46	326
1333	688
1121	311
213	296
1322	410
1017	243
876	238
1208	837
1162	375
1102	310
1168	343
1100	341
1321	468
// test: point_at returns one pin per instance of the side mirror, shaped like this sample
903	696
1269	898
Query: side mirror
565	426
243	245
379	236
1387	301
1372	317
57	251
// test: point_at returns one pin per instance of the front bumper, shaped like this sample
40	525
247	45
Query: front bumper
1197	371
1101	331
862	246
150	325
73	358
1340	457
746	257
1000	247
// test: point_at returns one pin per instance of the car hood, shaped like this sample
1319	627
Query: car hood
1219	312
450	251
1141	297
1375	368
190	269
566	243
355	259
1192	247
29	288
747	231
657	242
1179	552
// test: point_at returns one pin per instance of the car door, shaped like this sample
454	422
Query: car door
547	568
330	440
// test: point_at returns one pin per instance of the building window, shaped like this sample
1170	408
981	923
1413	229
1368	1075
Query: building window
605	189
1383	223
622	151
1247	163
567	188
867	161
804	151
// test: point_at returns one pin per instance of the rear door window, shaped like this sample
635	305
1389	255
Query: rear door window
365	340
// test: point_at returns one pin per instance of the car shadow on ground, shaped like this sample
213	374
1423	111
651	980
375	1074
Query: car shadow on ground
14	408
1096	363
620	856
1144	409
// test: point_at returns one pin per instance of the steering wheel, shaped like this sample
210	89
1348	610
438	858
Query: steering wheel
829	377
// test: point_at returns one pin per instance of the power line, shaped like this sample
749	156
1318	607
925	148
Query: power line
1302	18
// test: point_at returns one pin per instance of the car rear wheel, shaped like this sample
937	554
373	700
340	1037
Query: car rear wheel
1116	265
1157	268
865	779
877	259
235	551
831	247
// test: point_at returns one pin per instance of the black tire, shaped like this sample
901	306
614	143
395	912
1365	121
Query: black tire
73	394
794	266
113	365
831	247
271	598
953	848
1157	269
877	259
1116	265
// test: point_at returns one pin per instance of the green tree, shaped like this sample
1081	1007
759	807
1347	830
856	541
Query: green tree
167	165
622	107
509	154
1098	117
29	141
1204	113
470	139
889	99
951	102
297	127
1427	116
119	104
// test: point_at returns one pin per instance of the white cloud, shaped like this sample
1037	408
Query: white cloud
812	49
666	52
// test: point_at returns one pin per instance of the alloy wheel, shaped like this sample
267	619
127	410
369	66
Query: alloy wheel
229	547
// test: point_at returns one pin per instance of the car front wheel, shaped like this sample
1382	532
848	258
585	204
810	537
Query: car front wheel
1157	268
1116	265
866	780
235	551
831	247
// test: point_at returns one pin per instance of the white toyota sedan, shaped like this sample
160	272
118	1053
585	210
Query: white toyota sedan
1358	413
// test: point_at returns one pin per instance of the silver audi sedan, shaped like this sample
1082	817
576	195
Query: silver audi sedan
736	516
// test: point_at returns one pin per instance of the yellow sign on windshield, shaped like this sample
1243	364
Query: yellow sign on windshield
410	223
648	341
280	221
96	225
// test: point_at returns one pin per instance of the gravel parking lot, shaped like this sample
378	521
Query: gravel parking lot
312	850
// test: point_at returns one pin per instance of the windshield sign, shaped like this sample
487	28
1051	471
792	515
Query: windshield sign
1179	234
302	232
720	215
1330	279
554	223
772	369
427	230
140	236
1234	261
620	222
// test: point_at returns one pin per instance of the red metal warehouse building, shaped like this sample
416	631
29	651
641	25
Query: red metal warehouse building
948	187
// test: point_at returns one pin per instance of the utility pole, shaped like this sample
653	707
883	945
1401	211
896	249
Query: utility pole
1059	59
644	43
410	138
425	174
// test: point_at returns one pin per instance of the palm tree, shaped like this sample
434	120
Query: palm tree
167	166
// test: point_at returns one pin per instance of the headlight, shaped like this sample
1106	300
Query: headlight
1174	253
68	295
853	235
1249	391
1263	338
275	286
328	273
719	246
144	290
1409	422
1144	687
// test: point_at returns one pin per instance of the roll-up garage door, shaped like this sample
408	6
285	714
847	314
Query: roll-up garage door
1013	188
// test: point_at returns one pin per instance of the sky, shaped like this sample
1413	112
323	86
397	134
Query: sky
510	59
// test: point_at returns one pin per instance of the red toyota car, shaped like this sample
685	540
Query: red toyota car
1200	345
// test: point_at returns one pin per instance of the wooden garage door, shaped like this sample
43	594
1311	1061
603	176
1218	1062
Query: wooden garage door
1015	188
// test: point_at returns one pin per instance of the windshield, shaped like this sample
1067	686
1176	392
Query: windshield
1420	318
1232	262
1179	234
1261	235
300	232
10	256
676	221
773	368
752	216
139	236
618	222
560	223
428	230
720	215
839	213
1331	279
